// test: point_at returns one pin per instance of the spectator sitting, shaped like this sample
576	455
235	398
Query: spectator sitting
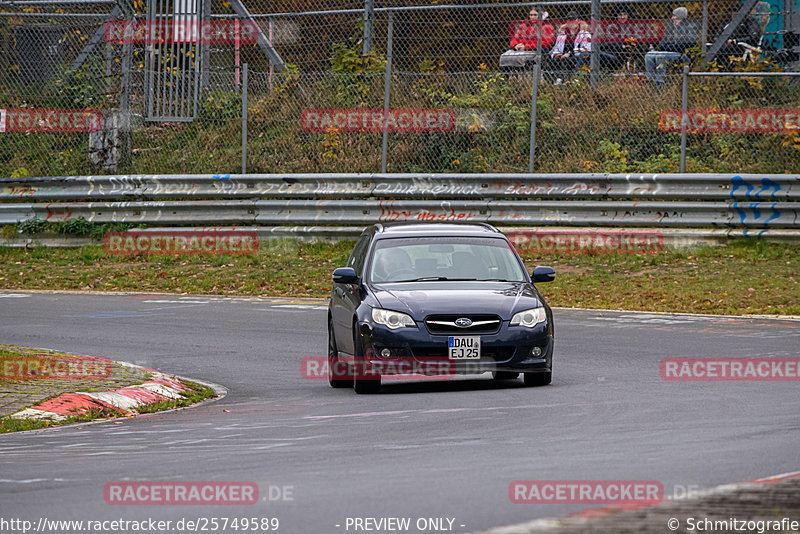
748	32
583	50
527	34
681	35
563	55
624	51
526	41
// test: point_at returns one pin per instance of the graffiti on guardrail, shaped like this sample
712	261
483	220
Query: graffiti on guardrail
391	213
767	185
756	213
58	212
21	191
706	187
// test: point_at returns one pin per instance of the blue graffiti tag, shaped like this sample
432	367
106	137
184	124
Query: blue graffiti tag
737	182
766	184
755	207
220	176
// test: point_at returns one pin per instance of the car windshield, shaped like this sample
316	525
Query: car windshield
444	258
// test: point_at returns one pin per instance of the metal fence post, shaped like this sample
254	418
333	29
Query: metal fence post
594	65
684	116
534	96
704	37
387	85
271	66
126	135
205	50
369	16
244	118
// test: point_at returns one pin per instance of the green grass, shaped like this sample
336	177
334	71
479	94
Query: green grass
9	424
197	392
743	277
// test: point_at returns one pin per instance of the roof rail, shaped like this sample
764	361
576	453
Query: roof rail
487	225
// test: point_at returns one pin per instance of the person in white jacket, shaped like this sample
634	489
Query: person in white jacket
565	50
583	46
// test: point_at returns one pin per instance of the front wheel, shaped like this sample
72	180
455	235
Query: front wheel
538	379
334	365
363	382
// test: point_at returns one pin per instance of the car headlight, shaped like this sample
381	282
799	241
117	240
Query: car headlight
529	318
392	319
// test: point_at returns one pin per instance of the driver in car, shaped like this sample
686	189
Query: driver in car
392	262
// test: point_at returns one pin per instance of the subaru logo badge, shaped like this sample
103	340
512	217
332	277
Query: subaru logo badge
463	322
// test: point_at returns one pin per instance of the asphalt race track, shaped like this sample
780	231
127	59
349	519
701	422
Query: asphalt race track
420	450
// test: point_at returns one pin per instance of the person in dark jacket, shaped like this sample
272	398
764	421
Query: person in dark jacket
626	51
680	36
747	32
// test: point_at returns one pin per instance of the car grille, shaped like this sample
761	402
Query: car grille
446	324
500	354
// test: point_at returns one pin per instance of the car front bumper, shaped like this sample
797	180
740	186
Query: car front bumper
509	349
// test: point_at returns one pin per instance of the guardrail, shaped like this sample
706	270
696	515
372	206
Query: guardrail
772	187
740	201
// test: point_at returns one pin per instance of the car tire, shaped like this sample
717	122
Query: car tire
538	379
504	375
333	361
363	384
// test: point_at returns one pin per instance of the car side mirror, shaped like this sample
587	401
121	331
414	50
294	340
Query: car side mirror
345	275
543	274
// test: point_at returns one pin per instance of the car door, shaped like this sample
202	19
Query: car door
347	298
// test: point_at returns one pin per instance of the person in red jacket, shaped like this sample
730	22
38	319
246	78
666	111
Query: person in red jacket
526	36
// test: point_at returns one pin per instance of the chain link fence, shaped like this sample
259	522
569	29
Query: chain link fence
80	85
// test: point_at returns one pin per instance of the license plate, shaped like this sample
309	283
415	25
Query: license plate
464	347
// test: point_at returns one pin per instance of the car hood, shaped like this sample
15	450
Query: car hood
421	299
